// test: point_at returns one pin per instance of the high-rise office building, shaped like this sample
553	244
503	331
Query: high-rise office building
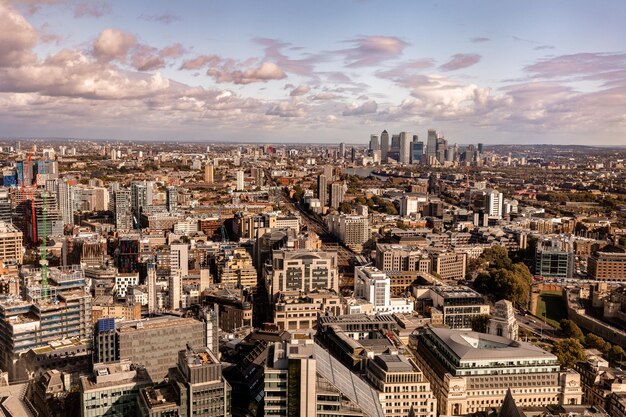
152	343
342	150
322	190
374	143
240	181
384	146
209	173
175	288
405	147
431	144
337	194
417	151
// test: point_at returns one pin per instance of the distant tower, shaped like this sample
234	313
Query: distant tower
405	147
384	146
240	181
171	198
374	143
342	150
494	203
152	296
175	288
208	173
337	193
431	145
322	190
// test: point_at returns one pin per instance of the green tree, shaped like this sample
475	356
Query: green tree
497	256
593	341
617	354
345	207
568	352
480	323
571	329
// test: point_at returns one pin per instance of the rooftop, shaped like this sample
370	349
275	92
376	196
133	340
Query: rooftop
468	345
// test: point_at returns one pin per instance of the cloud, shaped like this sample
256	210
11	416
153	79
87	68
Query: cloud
29	6
113	44
372	50
543	47
479	39
354	109
200	61
17	38
300	90
325	96
577	64
302	66
287	109
165	18
267	71
460	61
92	8
404	68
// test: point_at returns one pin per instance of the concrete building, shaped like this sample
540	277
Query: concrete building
303	379
384	146
152	343
322	189
179	259
402	387
449	265
201	388
11	245
471	372
234	306
373	285
209	172
240	181
302	271
121	209
301	312
458	305
237	270
337	194
351	230
392	257
493	203
112	389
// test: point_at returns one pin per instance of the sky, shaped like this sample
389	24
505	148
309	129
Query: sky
496	72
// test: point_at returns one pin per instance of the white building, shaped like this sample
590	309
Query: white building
123	281
179	259
374	286
493	203
240	181
503	322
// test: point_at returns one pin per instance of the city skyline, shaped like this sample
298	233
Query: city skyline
324	72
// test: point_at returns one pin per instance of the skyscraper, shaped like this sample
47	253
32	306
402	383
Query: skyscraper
431	145
384	146
121	208
374	143
171	198
337	193
342	150
405	147
322	190
208	173
66	202
417	151
240	181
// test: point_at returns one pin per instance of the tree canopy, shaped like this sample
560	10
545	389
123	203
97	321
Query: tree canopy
568	352
571	329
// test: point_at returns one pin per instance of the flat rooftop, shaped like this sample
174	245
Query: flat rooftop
468	345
